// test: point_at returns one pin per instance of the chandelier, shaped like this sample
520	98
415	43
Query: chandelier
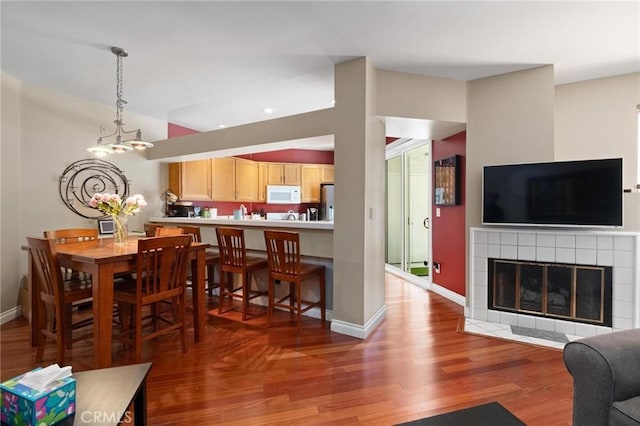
124	140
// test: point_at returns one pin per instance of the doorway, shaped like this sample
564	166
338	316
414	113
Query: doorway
408	176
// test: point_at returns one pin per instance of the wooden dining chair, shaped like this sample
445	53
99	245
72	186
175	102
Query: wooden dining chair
165	231
150	229
58	296
161	267
211	260
234	260
283	254
70	236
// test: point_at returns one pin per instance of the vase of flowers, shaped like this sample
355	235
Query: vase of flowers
118	209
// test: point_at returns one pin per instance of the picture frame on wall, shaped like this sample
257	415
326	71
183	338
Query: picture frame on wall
446	181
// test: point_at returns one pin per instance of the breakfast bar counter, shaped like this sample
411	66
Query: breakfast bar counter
316	237
261	223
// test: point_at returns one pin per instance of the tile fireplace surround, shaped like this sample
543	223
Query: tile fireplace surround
620	250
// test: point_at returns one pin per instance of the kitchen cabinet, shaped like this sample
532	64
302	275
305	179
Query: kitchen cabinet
311	176
246	175
234	179
237	179
326	173
191	179
223	180
310	183
283	174
262	183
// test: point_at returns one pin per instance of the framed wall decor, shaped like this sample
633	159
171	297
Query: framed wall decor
447	181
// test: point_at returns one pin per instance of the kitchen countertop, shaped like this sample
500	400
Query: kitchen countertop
229	221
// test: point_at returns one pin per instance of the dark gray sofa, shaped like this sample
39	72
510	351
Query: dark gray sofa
606	378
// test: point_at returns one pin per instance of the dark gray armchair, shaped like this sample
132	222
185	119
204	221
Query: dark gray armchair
606	378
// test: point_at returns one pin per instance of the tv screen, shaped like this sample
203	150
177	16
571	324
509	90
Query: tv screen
562	193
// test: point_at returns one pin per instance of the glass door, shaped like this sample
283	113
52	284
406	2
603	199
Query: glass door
418	186
395	221
408	208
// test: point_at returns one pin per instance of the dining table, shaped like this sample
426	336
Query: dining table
103	259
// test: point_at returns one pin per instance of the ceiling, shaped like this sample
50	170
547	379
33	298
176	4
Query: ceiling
205	64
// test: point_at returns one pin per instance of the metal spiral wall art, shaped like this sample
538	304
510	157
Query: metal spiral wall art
84	178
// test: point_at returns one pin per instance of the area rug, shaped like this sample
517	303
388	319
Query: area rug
491	414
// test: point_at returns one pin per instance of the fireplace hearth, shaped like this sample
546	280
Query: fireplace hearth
580	293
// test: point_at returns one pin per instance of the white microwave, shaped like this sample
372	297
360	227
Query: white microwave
283	194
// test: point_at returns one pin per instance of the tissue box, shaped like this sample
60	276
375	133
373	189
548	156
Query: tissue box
22	405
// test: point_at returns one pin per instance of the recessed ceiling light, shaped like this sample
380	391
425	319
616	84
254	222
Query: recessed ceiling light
333	102
222	126
268	110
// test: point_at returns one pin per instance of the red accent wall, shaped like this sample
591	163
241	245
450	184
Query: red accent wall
449	229
175	131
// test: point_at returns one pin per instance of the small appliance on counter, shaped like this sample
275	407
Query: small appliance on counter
181	209
312	213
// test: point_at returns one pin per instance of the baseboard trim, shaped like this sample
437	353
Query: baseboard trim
11	314
427	285
359	331
448	294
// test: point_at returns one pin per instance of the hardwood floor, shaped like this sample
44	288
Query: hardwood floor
414	365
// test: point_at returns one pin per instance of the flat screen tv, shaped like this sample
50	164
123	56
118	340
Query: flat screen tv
561	193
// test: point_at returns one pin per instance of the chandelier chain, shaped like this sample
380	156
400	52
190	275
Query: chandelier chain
120	102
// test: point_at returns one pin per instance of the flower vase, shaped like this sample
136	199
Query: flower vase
120	230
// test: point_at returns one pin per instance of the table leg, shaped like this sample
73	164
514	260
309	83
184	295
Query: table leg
199	308
102	314
140	405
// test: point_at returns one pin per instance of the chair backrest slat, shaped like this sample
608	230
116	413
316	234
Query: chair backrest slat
194	231
48	269
283	252
162	263
231	247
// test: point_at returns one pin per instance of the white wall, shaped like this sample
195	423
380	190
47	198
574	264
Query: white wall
598	119
10	192
510	120
54	131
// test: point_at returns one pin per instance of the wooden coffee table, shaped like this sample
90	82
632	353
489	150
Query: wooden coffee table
104	396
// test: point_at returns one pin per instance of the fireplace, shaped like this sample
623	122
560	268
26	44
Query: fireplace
580	293
559	255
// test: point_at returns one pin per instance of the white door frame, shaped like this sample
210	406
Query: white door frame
395	149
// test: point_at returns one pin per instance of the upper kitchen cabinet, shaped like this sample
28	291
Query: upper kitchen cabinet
234	179
283	174
246	180
262	183
223	182
312	175
326	173
191	179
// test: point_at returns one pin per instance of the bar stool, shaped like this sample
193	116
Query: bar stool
150	229
283	254
168	232
211	258
234	259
